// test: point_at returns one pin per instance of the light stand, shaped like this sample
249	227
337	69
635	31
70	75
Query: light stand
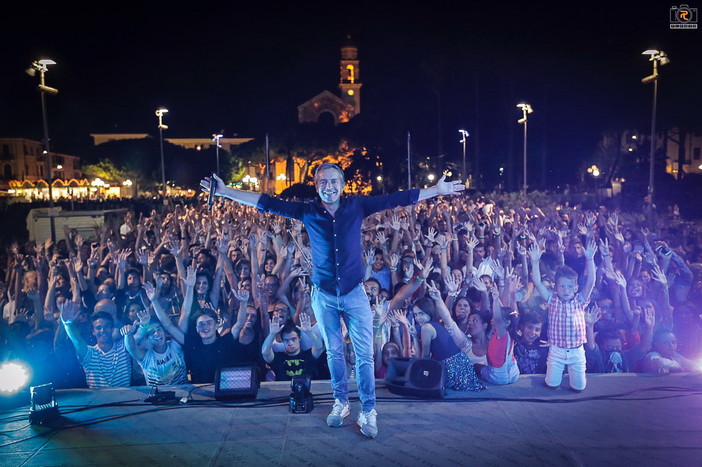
526	110
656	57
42	67
464	139
216	137
161	127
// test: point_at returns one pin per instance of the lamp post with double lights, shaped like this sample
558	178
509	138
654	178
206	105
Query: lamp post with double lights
161	127
595	172
526	110
216	137
657	57
42	66
464	139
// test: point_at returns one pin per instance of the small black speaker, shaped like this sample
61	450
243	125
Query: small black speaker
417	377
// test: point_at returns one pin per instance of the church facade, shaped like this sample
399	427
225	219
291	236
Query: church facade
341	108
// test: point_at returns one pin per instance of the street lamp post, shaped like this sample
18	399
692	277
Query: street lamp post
656	56
526	110
464	139
595	172
42	67
216	137
161	127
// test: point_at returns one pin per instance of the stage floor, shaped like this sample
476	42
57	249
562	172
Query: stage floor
625	420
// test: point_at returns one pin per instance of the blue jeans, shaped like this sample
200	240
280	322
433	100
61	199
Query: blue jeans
356	312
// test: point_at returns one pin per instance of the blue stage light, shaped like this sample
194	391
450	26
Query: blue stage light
14	376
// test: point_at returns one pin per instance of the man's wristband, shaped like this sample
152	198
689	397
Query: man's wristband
393	269
66	323
419	279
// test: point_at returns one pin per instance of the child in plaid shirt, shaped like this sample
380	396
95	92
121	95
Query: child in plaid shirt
566	318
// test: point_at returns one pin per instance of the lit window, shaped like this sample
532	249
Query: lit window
351	74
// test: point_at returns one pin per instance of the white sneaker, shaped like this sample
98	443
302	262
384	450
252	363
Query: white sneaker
338	413
367	422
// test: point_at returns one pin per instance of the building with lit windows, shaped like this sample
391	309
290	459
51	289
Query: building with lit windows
24	171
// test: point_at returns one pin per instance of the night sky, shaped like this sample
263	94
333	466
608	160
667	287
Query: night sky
244	69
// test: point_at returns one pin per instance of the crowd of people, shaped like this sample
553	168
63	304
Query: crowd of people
493	286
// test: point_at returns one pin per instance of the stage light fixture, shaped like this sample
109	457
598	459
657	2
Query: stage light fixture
14	377
43	406
237	382
301	399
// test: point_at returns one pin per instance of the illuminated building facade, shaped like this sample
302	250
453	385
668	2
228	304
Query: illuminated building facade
344	108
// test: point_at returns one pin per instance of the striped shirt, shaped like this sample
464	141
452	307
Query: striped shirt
566	321
111	369
165	368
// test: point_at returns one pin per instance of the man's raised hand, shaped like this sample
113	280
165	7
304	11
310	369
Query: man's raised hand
448	188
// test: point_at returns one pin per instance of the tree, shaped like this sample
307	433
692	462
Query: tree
106	170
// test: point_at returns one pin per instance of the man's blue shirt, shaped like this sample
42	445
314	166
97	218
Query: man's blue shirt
337	263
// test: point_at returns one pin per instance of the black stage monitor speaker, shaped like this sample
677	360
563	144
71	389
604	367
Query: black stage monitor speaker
417	377
236	382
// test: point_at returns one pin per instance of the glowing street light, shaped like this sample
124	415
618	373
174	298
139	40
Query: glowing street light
161	127
594	171
656	56
526	110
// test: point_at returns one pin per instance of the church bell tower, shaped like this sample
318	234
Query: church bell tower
350	84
